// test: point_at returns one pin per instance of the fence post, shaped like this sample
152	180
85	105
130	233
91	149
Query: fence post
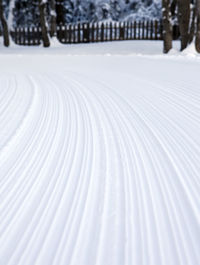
92	32
143	30
131	31
86	32
29	37
79	33
121	31
115	31
161	30
147	30
70	33
102	32
124	26
19	35
134	25
156	30
97	32
32	35
25	31
110	29
151	34
89	32
74	27
64	33
139	33
107	35
35	36
105	31
127	30
22	36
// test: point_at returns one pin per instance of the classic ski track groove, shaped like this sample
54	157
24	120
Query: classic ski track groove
91	176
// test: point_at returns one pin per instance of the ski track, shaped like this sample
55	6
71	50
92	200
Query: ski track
94	174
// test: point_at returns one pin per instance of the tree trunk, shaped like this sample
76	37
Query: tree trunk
167	28
197	40
4	26
60	18
53	18
184	20
192	25
173	7
43	24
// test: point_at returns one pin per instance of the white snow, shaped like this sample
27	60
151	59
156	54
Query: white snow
99	155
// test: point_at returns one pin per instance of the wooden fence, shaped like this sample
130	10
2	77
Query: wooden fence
27	36
94	32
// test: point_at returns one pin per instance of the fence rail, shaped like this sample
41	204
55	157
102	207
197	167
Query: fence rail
94	32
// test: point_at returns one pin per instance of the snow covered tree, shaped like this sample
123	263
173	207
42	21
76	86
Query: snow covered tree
167	27
68	9
141	10
103	11
91	11
26	13
79	12
115	9
4	26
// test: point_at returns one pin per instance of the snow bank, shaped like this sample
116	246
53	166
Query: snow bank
120	48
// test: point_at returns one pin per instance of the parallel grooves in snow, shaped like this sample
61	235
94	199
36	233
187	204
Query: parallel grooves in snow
94	174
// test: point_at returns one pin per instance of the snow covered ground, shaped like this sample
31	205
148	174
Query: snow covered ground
99	155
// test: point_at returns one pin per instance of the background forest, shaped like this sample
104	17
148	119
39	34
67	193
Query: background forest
26	12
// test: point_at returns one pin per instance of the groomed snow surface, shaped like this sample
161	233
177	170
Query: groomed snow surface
99	155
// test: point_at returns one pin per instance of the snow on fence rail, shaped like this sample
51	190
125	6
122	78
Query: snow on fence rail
94	32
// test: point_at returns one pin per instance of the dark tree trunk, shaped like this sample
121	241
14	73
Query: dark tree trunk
192	25
167	28
173	7
60	18
53	18
4	26
184	20
197	41
43	24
